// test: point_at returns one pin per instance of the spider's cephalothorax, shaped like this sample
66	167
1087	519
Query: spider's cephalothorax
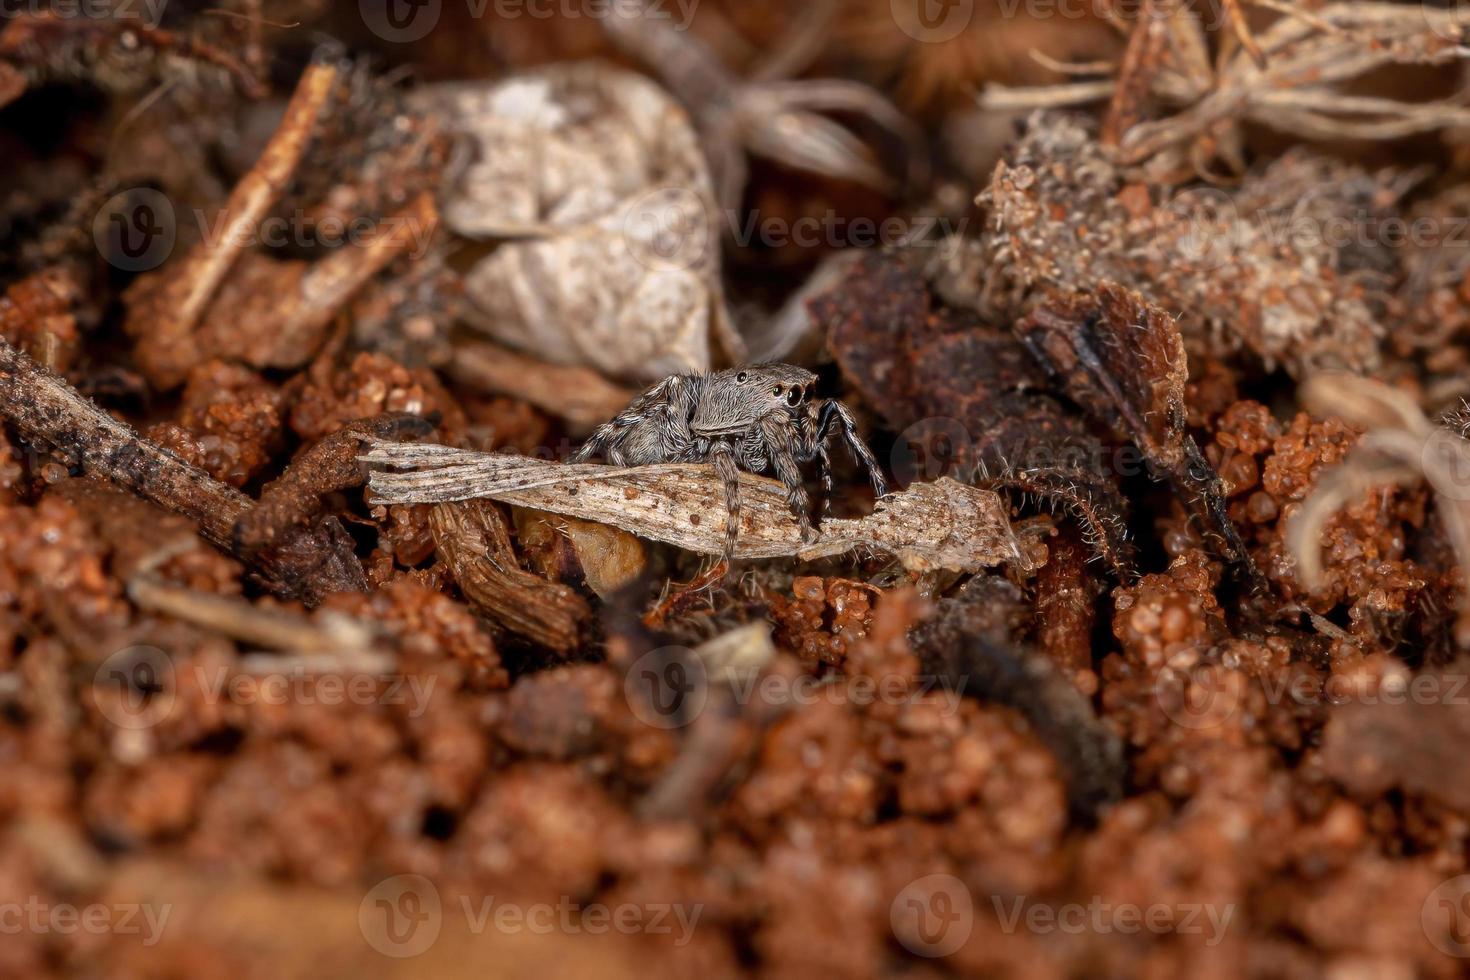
755	418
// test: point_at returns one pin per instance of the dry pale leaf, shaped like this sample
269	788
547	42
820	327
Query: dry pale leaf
939	525
596	178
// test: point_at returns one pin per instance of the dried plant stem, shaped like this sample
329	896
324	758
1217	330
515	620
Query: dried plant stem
326	467
1135	75
303	316
257	191
944	524
1284	79
277	629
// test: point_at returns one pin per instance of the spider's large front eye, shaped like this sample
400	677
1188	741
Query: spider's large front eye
794	396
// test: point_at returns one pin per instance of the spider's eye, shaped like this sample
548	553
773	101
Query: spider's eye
776	391
794	396
741	378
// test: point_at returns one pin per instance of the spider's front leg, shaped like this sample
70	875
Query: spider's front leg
783	448
722	456
833	412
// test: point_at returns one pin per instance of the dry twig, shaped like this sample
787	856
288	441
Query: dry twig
309	563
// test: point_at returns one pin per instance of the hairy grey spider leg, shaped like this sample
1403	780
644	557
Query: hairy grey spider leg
835	411
824	469
723	458
782	447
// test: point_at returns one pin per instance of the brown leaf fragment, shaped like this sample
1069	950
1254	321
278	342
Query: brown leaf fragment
1122	360
474	541
943	524
560	547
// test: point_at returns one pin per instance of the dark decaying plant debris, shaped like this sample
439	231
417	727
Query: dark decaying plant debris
316	655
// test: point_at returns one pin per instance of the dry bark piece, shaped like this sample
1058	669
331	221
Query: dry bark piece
474	541
596	177
309	563
1122	360
930	525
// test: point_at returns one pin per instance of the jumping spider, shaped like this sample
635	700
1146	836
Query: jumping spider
750	418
